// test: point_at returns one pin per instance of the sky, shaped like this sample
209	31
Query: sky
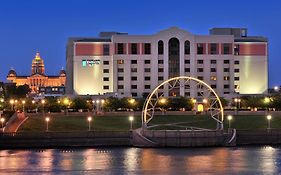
27	26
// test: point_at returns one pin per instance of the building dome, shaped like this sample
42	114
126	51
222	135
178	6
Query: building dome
12	73
38	65
62	72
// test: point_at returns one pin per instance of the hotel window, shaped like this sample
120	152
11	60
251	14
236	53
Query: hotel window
225	92
160	47
120	87
187	94
226	48
226	69
160	70
134	78
106	49
226	86
236	78
200	70
120	61
134	48
160	78
200	49
213	61
146	61
134	61
105	70
200	61
186	47
236	87
120	48
226	78
214	78
213	48
146	86
200	77
225	61
120	78
160	61
134	86
105	62
134	94
134	70
213	86
187	69
146	69
236	49
147	78
186	61
120	70
236	70
105	78
213	70
105	87
236	62
147	48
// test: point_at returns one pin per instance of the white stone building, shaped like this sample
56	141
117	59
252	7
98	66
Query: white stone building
228	60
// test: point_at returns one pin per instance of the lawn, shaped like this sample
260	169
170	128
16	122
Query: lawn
121	123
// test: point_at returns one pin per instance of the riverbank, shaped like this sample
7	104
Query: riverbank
125	138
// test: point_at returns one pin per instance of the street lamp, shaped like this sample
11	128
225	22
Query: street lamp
268	119
276	88
89	120
266	101
23	102
102	102
47	122
229	118
12	104
131	118
2	121
43	102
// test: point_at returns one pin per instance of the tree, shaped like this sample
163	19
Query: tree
79	103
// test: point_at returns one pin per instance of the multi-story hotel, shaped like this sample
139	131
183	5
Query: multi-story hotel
38	80
229	60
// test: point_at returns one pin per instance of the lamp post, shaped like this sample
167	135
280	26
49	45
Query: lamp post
98	106
229	118
132	103
43	103
12	104
131	118
266	101
268	117
47	122
66	103
23	103
162	101
102	103
205	101
89	121
237	104
2	123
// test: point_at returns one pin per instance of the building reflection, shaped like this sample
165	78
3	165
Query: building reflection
268	160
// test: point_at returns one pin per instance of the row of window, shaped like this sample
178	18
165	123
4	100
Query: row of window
162	62
134	49
225	86
161	78
212	70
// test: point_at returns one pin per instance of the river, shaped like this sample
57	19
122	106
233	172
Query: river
221	160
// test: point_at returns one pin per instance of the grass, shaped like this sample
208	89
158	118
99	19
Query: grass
121	123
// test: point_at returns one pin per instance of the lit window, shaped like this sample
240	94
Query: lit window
214	78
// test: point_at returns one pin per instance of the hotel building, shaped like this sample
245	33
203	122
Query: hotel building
227	59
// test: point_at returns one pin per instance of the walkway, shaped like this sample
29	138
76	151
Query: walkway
14	122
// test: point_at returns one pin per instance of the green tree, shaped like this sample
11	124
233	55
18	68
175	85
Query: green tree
79	103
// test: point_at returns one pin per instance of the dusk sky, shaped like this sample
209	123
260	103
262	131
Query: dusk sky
27	26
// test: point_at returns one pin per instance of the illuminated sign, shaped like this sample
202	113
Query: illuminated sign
90	62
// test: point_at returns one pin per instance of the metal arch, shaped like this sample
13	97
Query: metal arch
155	92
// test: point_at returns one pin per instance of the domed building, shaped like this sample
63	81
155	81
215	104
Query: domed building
38	81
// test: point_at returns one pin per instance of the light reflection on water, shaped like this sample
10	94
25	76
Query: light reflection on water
239	160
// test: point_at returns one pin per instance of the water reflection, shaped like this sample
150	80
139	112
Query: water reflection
241	160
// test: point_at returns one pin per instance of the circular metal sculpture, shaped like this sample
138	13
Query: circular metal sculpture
205	93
